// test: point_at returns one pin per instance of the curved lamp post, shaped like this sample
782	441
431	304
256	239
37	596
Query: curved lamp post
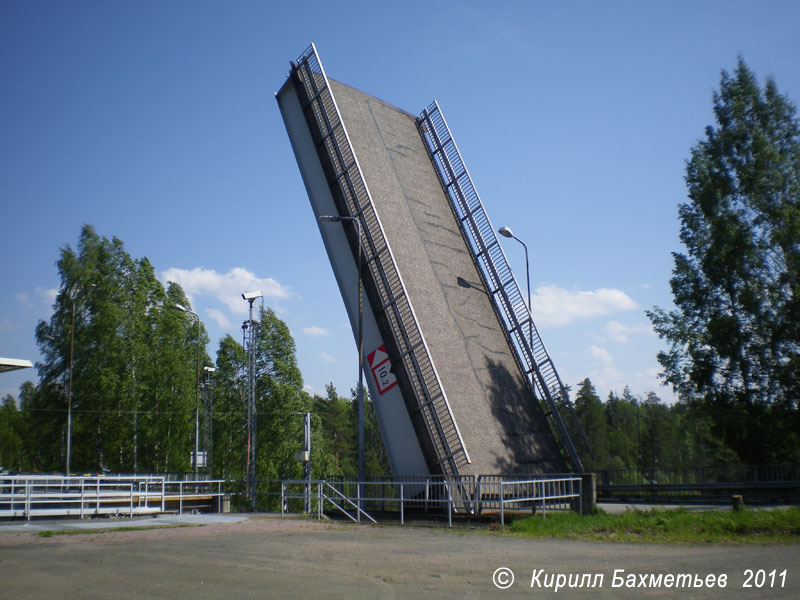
208	411
506	232
185	310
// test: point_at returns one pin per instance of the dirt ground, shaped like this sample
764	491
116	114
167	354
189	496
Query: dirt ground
270	557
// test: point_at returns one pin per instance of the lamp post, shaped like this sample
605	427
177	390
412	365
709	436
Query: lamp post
185	310
361	465
69	388
209	413
506	232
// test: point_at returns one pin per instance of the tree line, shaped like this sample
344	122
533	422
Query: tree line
124	358
627	431
733	336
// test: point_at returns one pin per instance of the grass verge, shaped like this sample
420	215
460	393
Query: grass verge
50	533
678	526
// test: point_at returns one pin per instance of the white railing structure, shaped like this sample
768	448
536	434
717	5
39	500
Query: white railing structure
28	496
492	494
202	490
322	492
498	278
541	492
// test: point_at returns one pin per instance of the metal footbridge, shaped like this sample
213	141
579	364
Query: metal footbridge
30	496
498	278
480	389
378	269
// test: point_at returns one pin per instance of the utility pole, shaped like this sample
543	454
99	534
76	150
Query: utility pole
208	411
307	465
251	398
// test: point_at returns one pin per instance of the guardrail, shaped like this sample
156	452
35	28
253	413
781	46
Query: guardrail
563	490
28	496
463	495
757	483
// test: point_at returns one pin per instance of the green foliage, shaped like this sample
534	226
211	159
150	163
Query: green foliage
734	354
116	347
280	401
128	360
134	387
11	427
229	393
339	421
668	526
628	433
591	415
339	433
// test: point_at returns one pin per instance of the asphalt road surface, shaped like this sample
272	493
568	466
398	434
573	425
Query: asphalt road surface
267	557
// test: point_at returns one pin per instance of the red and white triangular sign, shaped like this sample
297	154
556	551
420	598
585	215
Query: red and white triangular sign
382	369
377	357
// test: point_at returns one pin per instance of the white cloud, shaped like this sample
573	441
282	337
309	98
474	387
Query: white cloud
553	305
220	317
47	294
315	331
226	287
609	378
327	357
600	354
619	332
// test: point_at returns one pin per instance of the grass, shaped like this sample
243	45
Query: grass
678	526
50	533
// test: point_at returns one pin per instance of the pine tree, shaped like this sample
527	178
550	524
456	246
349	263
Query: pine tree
592	417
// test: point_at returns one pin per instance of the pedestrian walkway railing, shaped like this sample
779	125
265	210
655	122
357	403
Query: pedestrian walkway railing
466	495
316	494
538	493
28	496
714	484
498	279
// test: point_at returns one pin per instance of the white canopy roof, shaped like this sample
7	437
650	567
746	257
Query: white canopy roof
12	364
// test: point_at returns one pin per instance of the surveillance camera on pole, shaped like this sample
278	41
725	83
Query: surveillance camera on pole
251	340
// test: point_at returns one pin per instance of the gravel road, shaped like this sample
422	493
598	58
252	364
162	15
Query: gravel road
267	557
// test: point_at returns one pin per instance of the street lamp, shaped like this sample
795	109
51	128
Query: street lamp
361	467
69	389
209	414
185	310
506	232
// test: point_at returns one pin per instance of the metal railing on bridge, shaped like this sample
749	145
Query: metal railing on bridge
757	483
499	281
28	496
465	495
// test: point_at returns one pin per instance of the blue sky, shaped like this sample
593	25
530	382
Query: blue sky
156	123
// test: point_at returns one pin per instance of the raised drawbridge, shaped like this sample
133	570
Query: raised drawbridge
461	381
